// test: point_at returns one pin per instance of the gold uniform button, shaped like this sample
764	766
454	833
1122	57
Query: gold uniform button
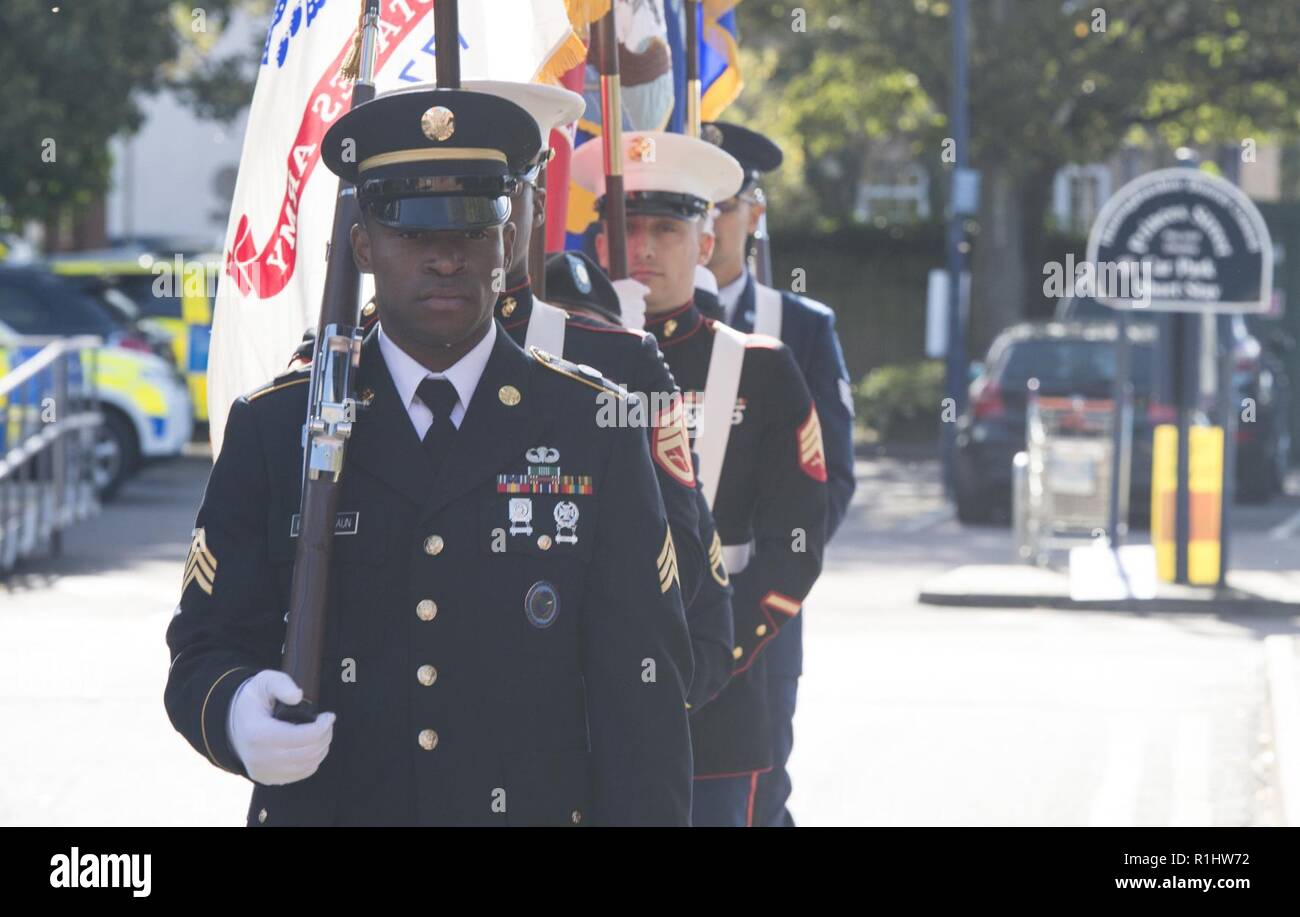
761	629
509	395
544	542
428	739
737	653
427	675
261	817
575	816
433	544
426	610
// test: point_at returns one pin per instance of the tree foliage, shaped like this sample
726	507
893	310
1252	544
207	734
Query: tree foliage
77	74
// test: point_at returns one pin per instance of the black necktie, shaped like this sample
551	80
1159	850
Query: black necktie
439	396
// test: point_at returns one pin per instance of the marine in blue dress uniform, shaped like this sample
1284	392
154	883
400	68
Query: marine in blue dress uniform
770	499
506	642
807	327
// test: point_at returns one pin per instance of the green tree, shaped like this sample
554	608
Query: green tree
1051	82
76	75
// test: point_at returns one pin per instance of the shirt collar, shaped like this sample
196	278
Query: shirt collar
408	373
730	294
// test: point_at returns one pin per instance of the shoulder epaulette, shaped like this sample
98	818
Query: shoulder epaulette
580	372
285	379
762	340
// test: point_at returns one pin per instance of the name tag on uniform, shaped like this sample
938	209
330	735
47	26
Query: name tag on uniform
344	524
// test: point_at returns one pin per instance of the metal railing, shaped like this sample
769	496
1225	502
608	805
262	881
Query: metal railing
49	417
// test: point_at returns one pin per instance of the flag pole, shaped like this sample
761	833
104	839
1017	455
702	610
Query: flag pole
693	93
611	139
446	43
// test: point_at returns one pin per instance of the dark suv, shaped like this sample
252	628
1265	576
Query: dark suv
1066	359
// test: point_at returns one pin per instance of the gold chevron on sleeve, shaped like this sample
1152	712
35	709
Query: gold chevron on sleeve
201	565
716	565
668	563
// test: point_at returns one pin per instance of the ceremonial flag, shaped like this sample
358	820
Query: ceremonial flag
720	81
273	270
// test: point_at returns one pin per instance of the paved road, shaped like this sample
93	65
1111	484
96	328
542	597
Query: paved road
908	714
916	715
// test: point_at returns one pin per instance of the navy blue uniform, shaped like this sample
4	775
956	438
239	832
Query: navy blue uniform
633	359
771	502
484	669
808	329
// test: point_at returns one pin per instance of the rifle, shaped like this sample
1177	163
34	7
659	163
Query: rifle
331	411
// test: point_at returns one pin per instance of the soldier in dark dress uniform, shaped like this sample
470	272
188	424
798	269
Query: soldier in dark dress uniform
506	642
765	476
807	327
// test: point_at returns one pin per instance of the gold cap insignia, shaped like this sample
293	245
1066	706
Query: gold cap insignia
509	395
438	123
641	149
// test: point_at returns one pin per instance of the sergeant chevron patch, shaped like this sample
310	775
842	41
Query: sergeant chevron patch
716	565
668	563
812	456
671	448
201	565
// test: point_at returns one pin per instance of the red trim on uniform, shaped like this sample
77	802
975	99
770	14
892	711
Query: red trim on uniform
766	602
677	339
772	631
762	340
515	324
604	329
761	770
528	282
749	809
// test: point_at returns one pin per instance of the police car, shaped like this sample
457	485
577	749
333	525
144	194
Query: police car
172	294
145	401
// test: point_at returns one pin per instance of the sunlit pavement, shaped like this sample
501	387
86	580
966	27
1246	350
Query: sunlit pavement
907	714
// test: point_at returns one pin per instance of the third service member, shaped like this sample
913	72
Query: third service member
506	642
808	328
757	435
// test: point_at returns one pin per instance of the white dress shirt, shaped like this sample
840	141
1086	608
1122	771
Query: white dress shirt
408	373
729	296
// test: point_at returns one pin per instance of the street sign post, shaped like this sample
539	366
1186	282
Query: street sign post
1182	241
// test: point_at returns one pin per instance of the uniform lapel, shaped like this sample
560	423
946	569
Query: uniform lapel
493	431
383	440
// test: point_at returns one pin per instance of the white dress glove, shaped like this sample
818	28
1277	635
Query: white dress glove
274	752
631	302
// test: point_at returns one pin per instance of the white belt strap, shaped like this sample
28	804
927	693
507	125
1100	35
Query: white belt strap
546	328
767	311
720	388
736	556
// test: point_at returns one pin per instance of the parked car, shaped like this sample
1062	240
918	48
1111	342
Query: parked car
1264	443
179	308
146	404
1061	359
